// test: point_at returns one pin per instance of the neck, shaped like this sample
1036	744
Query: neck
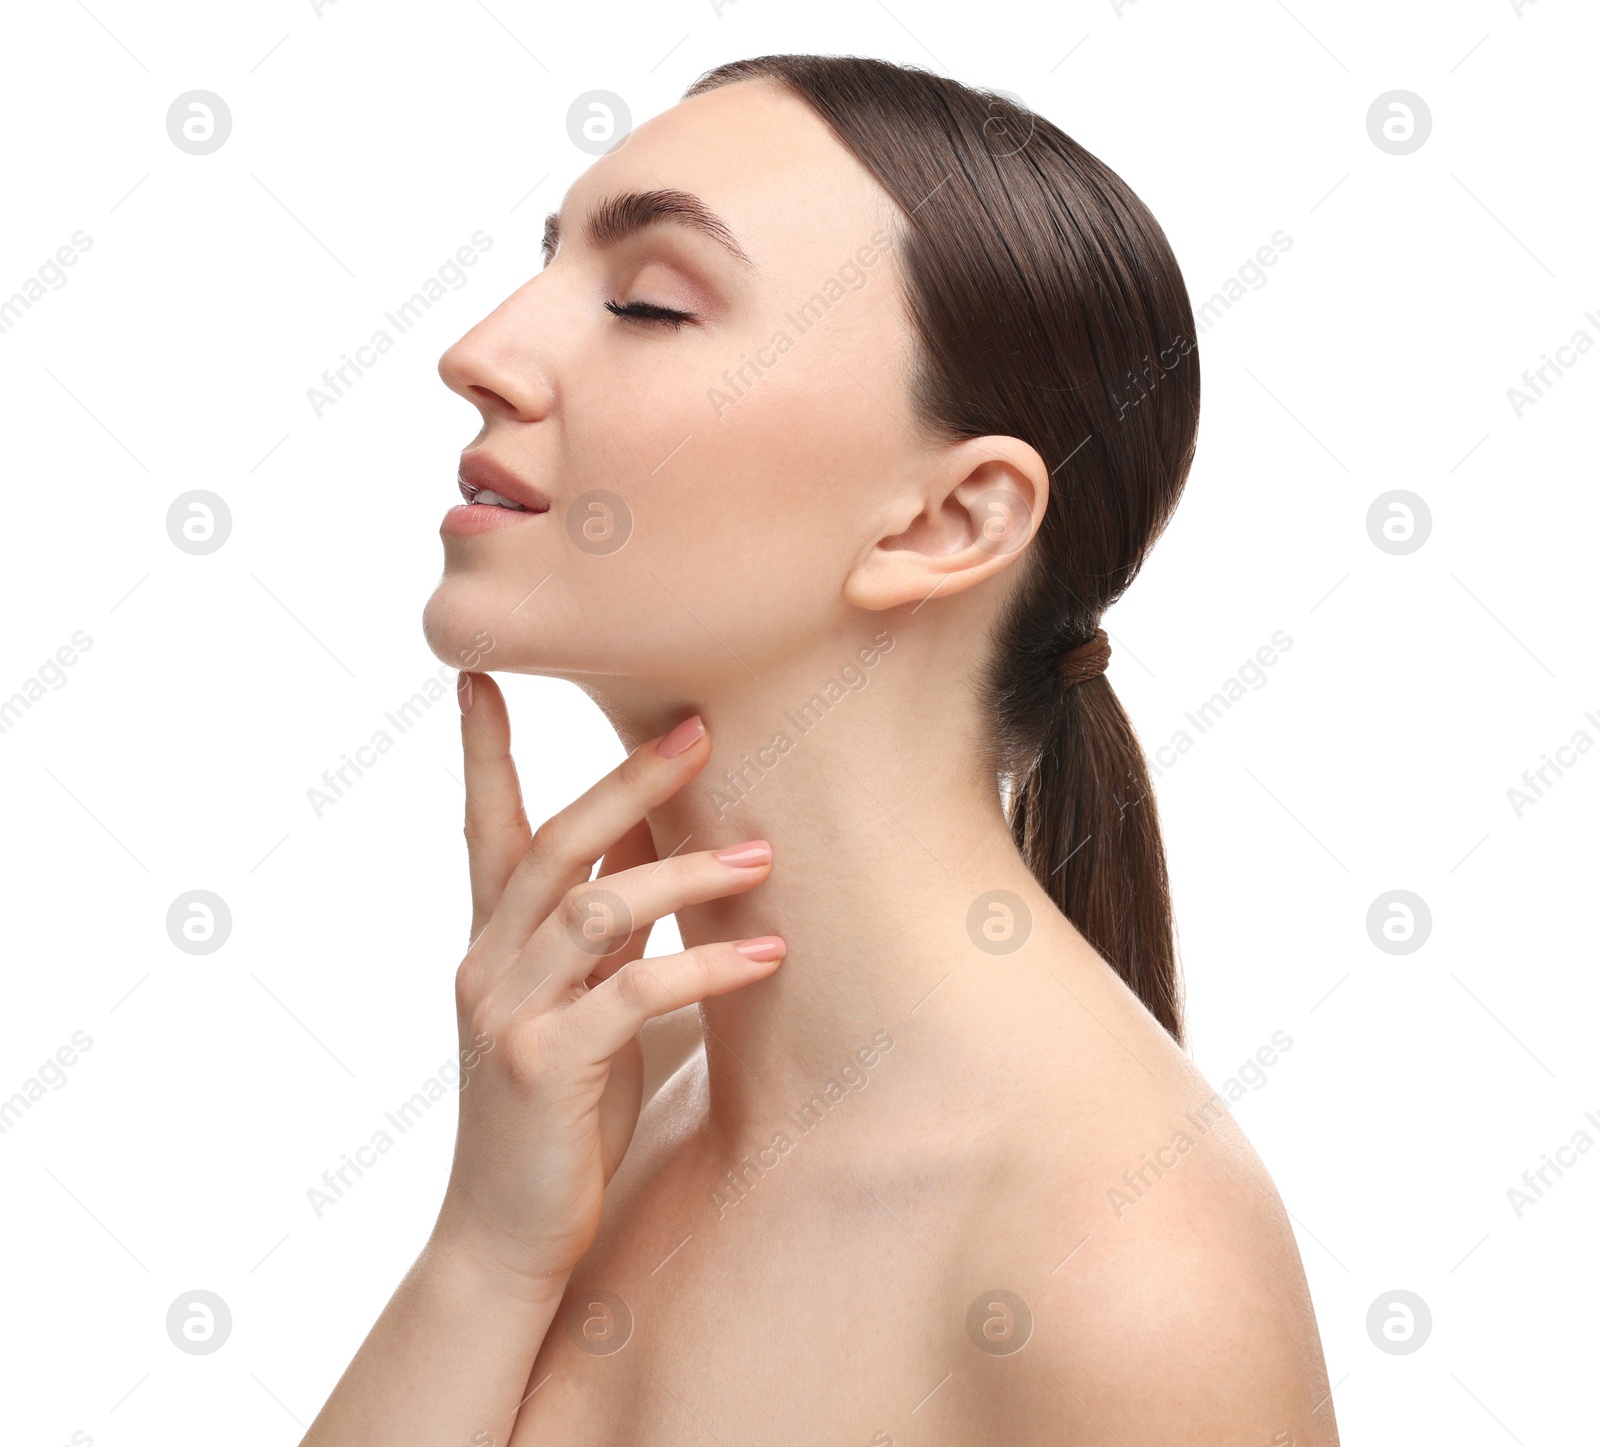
885	823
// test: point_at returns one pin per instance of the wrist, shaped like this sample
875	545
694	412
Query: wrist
468	1266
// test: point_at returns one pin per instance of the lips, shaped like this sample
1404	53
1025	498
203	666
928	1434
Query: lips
478	473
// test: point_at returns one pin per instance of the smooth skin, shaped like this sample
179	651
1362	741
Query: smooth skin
550	1002
804	1234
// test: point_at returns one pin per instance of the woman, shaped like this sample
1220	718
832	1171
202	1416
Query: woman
847	402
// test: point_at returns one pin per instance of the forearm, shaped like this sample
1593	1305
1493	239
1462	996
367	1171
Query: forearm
447	1361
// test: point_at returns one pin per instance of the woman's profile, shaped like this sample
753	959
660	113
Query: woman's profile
848	401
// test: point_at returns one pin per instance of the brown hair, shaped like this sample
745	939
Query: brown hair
1049	307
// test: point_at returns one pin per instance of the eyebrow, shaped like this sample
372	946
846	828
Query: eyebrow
617	218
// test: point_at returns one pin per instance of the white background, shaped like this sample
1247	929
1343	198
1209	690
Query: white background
371	141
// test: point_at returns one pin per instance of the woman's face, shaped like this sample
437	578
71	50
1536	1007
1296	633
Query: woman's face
712	482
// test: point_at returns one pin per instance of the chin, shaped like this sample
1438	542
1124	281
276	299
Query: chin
457	629
472	623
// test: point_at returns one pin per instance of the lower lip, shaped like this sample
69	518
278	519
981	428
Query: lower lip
471	518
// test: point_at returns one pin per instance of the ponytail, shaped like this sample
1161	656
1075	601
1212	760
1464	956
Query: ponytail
1084	818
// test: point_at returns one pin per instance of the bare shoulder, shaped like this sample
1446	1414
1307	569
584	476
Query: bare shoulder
1177	1307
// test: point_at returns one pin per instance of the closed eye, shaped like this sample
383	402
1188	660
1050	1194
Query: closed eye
648	311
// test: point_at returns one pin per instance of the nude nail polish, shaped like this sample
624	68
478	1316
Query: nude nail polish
746	855
689	732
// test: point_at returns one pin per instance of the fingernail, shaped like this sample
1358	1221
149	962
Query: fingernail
752	851
690	731
767	947
464	692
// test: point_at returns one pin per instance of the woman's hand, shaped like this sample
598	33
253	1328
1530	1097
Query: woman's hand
553	991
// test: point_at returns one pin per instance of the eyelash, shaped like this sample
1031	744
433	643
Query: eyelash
648	311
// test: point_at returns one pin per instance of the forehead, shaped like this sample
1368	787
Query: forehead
761	159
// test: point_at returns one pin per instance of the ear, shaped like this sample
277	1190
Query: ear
968	516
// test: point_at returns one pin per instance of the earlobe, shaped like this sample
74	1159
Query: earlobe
982	502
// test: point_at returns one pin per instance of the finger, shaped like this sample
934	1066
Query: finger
605	1019
564	848
599	918
496	827
636	847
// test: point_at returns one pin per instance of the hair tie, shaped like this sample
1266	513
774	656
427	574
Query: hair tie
1088	660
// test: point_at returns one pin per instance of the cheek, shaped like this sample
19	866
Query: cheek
622	417
768	489
742	521
709	475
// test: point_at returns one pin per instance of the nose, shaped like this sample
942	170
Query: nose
498	368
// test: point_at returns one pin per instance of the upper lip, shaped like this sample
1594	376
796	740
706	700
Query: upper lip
478	473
